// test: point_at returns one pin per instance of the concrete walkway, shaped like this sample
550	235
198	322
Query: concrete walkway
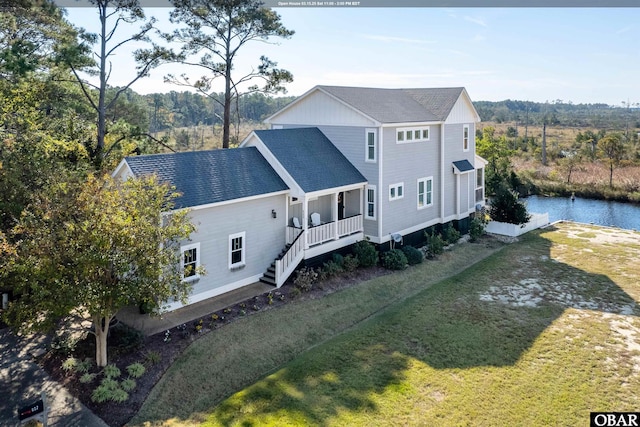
22	381
151	325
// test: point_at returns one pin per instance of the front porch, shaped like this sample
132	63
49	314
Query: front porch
317	225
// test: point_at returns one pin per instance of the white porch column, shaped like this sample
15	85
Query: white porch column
305	221
458	196
334	214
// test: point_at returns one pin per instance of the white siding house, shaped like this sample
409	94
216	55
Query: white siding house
405	142
340	164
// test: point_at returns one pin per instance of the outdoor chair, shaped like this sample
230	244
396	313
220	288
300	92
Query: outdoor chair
315	219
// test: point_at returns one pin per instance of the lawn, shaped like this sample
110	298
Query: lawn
540	332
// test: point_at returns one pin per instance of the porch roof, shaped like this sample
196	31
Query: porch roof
462	166
205	177
310	158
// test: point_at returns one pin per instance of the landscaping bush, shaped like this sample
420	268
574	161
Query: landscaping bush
338	259
450	235
350	263
414	256
394	260
305	278
330	269
366	253
505	207
476	230
435	244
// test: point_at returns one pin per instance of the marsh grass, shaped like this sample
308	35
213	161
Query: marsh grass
540	333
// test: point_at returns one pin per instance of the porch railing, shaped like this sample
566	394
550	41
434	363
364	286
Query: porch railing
321	233
292	234
350	225
290	260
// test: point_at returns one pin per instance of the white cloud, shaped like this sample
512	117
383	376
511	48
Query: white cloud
478	21
392	39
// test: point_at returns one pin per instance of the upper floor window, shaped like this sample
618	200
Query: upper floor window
396	191
371	202
425	192
465	138
370	147
190	261
237	250
417	134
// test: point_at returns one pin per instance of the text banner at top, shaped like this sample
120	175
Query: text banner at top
401	3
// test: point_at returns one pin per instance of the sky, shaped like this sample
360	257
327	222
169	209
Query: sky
582	55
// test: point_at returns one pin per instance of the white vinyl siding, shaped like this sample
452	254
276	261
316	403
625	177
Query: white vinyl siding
396	191
417	134
237	245
190	260
370	145
425	192
370	213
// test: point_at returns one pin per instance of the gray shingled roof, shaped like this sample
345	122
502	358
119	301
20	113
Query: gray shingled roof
463	166
310	158
399	105
205	177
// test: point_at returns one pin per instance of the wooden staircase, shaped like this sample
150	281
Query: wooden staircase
269	276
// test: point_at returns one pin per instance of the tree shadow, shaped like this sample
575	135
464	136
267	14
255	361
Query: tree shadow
488	315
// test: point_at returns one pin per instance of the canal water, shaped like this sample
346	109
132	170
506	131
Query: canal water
600	212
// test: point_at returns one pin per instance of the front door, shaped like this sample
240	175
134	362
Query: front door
340	206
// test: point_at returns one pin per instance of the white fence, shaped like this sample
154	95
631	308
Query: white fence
537	220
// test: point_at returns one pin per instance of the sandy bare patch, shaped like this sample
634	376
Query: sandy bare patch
602	234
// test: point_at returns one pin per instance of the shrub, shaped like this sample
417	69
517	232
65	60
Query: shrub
153	357
366	253
338	259
128	384
435	244
136	370
350	263
305	278
394	260
450	235
505	207
414	256
476	230
111	371
331	269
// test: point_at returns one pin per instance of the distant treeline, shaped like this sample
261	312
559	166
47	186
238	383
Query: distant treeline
163	111
186	109
558	113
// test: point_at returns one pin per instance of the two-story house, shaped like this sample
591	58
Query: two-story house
416	148
339	165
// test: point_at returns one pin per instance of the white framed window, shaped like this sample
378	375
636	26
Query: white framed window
370	145
425	192
190	260
371	202
417	134
396	191
465	138
237	246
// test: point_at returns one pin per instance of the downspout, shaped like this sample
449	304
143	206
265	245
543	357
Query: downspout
442	172
379	189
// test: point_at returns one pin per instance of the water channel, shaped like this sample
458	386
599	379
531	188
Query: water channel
600	212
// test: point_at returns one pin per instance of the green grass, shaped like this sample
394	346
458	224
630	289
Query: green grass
539	333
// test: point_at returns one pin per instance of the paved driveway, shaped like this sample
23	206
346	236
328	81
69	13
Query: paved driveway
22	381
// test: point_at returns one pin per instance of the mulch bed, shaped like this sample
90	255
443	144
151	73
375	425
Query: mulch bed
159	351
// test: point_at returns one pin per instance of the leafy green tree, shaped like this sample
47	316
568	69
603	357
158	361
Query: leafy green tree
506	207
32	32
93	246
496	151
216	31
612	148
